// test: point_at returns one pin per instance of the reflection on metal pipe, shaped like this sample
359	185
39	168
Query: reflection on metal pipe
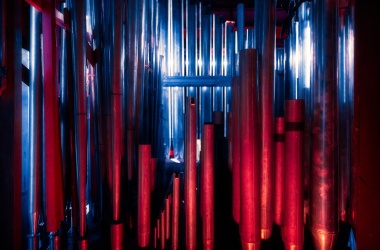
249	152
207	186
293	226
235	151
35	129
143	203
324	178
190	175
279	147
175	213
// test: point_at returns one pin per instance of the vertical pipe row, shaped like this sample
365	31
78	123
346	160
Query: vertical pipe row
190	176
293	225
324	178
207	185
249	152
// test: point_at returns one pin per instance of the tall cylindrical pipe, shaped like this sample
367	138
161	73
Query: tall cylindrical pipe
266	86
52	140
293	226
162	231
167	216
324	171
249	152
190	175
79	63
143	203
279	147
35	129
235	151
175	211
207	185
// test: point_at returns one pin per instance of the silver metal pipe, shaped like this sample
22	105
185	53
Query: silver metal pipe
35	126
78	27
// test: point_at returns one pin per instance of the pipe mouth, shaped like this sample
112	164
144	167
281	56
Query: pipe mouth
250	245
323	239
292	246
266	233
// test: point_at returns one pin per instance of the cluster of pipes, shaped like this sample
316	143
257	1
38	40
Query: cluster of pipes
140	83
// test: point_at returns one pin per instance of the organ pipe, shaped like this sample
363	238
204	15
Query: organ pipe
144	189
190	175
35	133
293	225
207	186
279	147
249	152
324	189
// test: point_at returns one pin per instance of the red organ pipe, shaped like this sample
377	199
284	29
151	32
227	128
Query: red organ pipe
143	202
175	211
293	224
279	147
190	175
235	151
117	236
207	185
167	216
162	225
250	219
53	163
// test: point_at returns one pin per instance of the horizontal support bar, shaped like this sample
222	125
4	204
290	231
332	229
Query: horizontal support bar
196	81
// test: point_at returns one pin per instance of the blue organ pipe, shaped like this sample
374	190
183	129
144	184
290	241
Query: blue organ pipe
324	172
79	54
279	88
345	108
35	127
249	38
240	25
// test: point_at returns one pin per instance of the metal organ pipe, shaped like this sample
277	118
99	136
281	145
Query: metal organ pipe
79	63
175	211
35	132
144	189
324	184
249	152
266	51
279	147
190	175
207	186
293	225
235	150
52	141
